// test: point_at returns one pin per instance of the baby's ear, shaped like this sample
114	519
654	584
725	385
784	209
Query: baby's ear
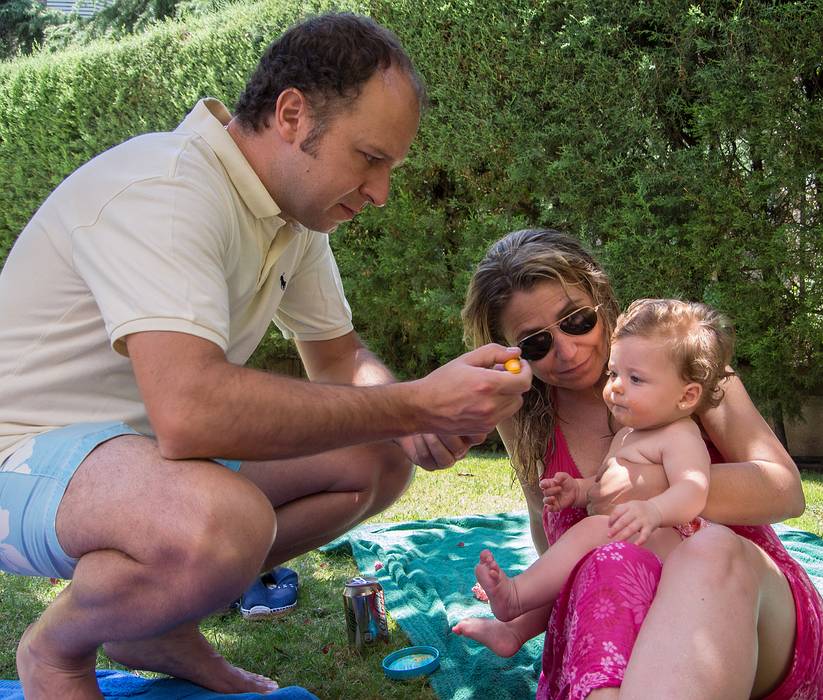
690	397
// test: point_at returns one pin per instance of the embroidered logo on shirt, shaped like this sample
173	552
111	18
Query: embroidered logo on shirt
282	281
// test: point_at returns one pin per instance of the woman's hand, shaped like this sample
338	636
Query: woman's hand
621	481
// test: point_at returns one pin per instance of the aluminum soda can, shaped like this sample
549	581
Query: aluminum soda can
365	608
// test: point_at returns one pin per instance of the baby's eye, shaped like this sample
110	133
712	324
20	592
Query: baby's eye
369	157
635	379
610	374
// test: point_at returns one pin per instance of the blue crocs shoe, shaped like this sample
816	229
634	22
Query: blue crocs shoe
271	595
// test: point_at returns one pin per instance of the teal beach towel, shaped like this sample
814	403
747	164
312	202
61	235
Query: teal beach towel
426	568
805	548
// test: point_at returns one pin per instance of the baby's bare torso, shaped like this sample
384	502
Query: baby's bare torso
647	446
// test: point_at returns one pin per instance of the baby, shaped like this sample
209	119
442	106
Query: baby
667	360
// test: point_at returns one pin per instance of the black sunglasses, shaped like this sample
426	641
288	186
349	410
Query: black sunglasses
579	322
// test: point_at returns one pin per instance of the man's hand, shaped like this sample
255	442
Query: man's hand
433	452
635	519
472	394
619	482
559	492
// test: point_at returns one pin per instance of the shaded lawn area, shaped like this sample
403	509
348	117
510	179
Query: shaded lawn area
308	647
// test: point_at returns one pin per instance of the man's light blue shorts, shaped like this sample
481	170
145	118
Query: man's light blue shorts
32	483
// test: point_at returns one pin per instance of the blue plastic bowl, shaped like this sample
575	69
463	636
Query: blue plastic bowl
411	662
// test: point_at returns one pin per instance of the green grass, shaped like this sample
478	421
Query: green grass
812	519
308	647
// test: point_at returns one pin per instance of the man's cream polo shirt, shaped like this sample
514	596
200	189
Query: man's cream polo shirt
167	231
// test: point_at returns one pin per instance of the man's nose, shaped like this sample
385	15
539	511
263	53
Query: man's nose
376	187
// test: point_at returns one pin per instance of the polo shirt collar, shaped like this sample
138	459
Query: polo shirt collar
208	120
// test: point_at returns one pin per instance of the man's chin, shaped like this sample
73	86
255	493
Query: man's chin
320	226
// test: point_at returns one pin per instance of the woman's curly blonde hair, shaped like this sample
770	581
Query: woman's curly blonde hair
518	262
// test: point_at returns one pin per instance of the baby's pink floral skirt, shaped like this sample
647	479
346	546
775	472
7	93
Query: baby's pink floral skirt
598	615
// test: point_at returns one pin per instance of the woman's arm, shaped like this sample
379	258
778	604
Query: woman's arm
534	496
760	483
541	544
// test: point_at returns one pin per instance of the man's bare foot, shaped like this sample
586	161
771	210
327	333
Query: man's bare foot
496	635
45	676
501	589
185	653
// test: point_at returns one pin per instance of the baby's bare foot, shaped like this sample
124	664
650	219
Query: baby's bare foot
496	635
501	589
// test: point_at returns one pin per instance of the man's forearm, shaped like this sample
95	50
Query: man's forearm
257	415
200	405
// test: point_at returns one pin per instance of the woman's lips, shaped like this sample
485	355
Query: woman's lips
574	369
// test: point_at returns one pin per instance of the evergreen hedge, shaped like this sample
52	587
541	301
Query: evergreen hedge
683	142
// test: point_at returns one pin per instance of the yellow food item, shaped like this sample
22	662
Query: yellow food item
512	366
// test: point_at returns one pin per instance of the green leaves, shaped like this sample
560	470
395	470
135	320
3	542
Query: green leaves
684	143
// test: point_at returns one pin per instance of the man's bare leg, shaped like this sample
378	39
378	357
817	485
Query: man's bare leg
201	565
321	497
160	544
317	498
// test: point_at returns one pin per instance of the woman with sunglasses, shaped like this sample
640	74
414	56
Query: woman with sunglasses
667	360
719	619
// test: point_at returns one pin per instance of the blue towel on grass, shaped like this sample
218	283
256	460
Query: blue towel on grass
118	684
427	573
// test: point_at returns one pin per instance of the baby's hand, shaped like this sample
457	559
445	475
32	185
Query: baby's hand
559	492
635	519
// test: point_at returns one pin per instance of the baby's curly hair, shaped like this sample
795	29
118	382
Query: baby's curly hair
700	339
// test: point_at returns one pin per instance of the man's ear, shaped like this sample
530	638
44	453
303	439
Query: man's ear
690	397
291	115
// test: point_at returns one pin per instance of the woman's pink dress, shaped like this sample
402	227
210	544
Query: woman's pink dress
596	618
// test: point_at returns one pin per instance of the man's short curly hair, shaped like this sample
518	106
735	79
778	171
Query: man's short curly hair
328	58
